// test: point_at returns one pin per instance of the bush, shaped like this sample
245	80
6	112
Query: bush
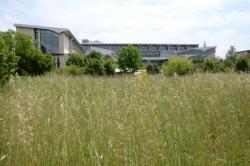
179	65
220	66
38	63
153	69
208	65
94	63
76	59
8	62
73	70
109	67
129	59
242	65
94	66
95	55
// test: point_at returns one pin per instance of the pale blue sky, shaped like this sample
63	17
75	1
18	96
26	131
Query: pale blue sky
218	22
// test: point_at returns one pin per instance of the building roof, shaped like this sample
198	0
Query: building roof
245	51
57	30
54	29
160	44
201	51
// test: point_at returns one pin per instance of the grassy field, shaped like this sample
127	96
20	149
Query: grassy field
202	119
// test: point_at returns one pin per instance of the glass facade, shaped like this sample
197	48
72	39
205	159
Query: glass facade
49	41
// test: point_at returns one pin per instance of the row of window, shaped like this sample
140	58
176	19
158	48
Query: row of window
143	47
49	41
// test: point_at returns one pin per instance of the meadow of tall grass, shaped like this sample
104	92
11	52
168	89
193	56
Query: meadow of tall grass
202	119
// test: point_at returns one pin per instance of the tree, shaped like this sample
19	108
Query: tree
8	62
179	65
31	60
231	57
242	65
76	59
129	59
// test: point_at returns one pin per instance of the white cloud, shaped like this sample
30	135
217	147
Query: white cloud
167	21
225	38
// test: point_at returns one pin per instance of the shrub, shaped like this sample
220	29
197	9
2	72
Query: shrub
8	63
153	69
76	59
209	65
73	70
179	65
242	65
109	67
129	59
94	66
38	63
220	66
95	55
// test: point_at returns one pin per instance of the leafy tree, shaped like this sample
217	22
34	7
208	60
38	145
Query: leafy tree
76	59
9	39
8	62
179	65
109	67
94	63
153	69
231	57
31	60
242	65
129	59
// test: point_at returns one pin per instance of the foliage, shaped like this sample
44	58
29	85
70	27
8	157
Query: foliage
61	120
94	66
8	62
153	69
129	59
94	63
76	59
73	70
242	65
220	66
209	65
95	55
231	57
31	60
109	68
179	65
38	63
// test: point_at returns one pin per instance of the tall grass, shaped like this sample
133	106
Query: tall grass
62	120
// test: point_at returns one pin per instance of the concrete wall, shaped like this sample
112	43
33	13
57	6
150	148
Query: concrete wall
66	44
26	31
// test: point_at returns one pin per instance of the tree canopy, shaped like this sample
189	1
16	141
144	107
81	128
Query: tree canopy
129	59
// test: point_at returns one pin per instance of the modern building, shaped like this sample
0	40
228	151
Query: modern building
199	52
59	42
151	53
244	52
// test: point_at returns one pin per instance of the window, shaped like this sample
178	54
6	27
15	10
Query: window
49	42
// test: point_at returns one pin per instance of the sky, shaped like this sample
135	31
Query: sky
220	23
